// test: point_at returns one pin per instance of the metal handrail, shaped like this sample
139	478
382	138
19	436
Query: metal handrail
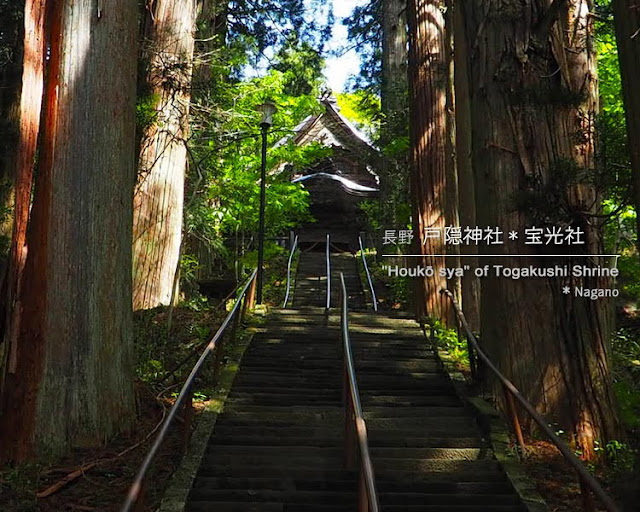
328	276
136	488
366	268
587	481
367	495
293	250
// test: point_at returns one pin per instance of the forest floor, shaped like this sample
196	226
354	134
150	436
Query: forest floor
98	479
618	467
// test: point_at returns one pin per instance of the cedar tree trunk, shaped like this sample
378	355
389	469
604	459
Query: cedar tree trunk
159	195
534	100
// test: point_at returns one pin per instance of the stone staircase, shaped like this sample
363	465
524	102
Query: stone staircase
311	280
277	447
427	449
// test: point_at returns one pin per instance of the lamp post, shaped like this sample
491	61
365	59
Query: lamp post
268	108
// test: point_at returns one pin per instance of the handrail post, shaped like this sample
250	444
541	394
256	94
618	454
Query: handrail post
349	435
188	420
251	299
328	277
243	309
588	483
294	245
133	498
349	413
363	500
355	425
513	412
366	268
139	504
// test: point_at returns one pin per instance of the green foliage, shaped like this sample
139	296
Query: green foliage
302	67
241	39
224	180
257	26
620	232
613	177
146	110
626	374
196	302
365	33
447	339
271	250
629	403
620	457
629	267
399	288
362	108
374	213
371	210
613	156
397	147
276	276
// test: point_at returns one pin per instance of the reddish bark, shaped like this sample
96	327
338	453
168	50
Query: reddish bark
72	383
24	365
428	77
534	97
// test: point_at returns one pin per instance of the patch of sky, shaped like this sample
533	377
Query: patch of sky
341	62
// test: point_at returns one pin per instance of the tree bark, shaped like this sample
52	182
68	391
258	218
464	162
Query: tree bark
72	381
466	180
534	100
452	198
159	195
627	22
394	67
394	104
428	77
28	119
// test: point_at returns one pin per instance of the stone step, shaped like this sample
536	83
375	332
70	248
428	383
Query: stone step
307	507
256	438
428	391
288	397
412	471
369	412
378	436
414	381
336	452
479	489
349	497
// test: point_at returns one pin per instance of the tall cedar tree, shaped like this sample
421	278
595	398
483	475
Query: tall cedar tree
159	194
11	42
470	284
69	381
627	22
394	177
30	92
428	77
534	100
